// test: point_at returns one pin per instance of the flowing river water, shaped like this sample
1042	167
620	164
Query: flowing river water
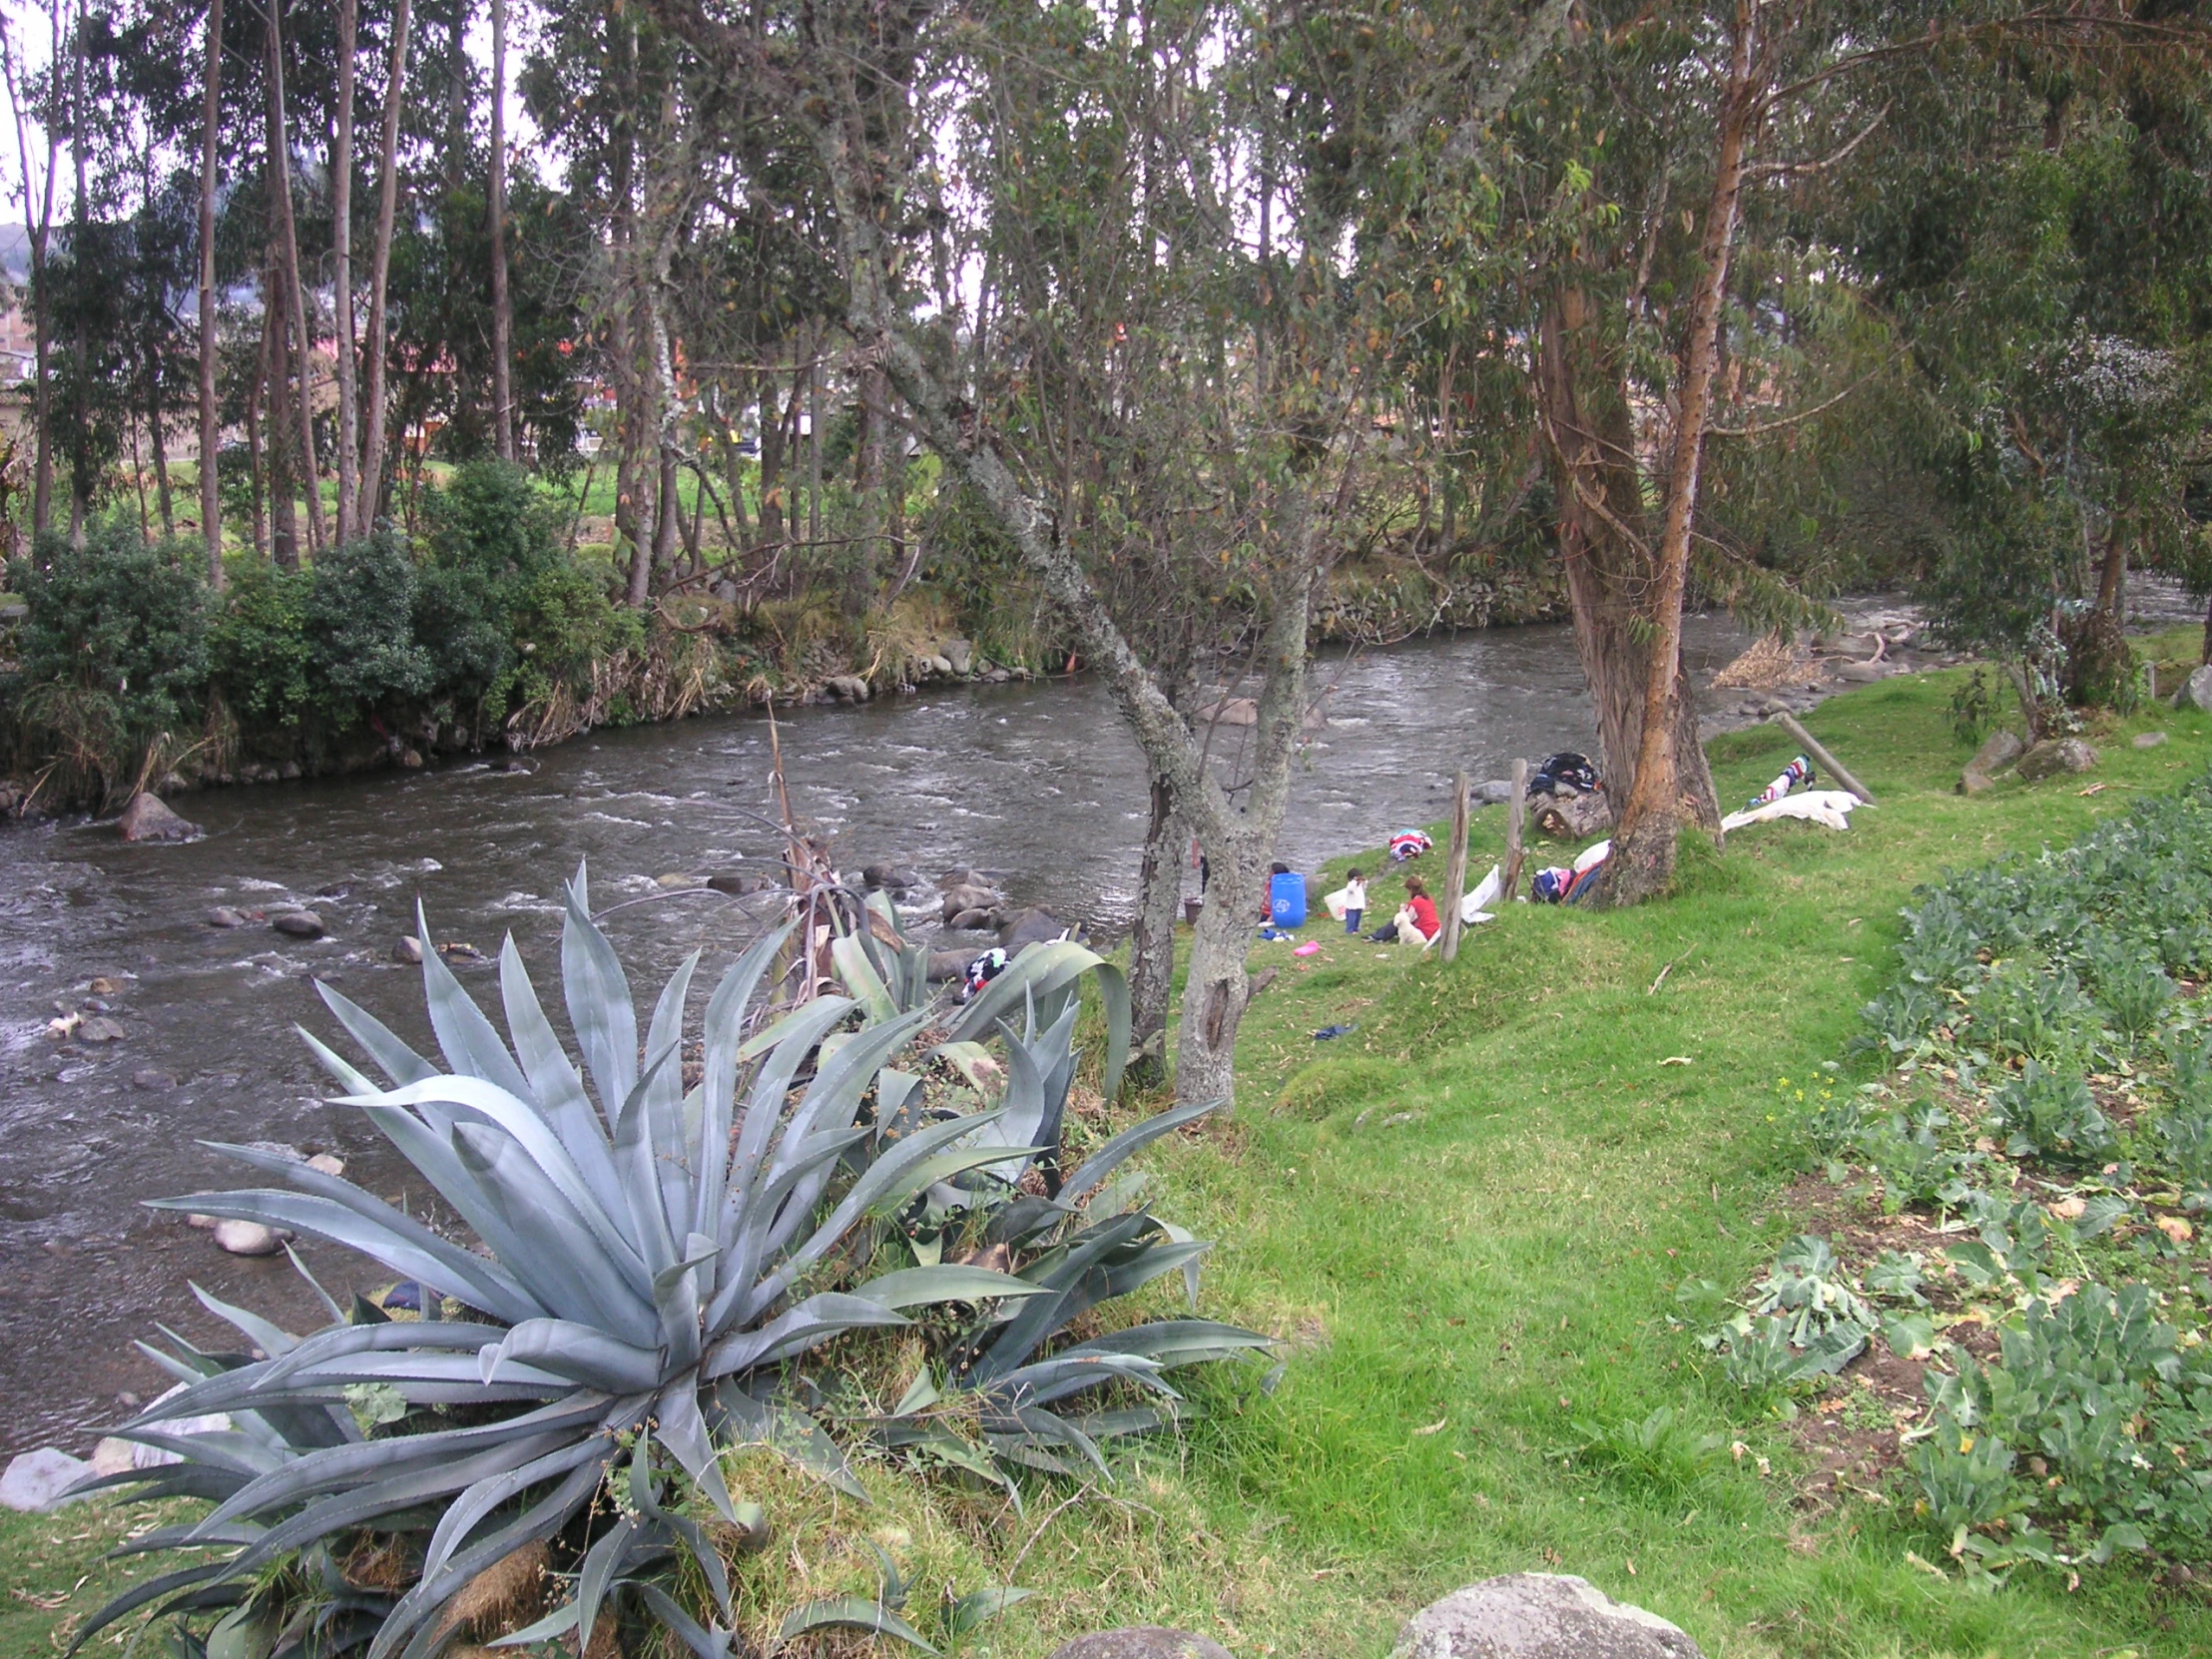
1037	785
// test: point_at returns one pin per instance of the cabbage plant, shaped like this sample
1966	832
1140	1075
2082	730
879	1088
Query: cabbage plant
645	1254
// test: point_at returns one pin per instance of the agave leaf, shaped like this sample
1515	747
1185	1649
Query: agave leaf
580	1353
725	1029
439	1585
1111	1156
851	1613
951	1282
262	1334
585	1461
704	1643
601	1563
556	1087
137	1595
559	1622
470	1043
979	1607
861	983
401	1243
796	1038
662	1098
816	1320
394	1057
1176	1341
599	1007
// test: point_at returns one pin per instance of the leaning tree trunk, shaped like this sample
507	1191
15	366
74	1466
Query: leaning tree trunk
1152	938
211	415
1641	864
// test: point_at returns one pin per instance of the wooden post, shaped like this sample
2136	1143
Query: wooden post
1789	724
1456	866
1516	804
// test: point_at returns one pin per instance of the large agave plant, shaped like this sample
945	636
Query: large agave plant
641	1256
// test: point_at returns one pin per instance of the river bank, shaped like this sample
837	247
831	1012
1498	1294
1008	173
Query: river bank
1471	1219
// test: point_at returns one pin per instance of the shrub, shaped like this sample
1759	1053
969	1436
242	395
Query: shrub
258	648
357	619
112	652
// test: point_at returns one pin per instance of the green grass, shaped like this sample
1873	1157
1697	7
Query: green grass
1469	1218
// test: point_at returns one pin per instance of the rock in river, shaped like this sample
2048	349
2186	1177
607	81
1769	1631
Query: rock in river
248	1238
1032	926
966	896
223	917
147	819
100	1029
299	924
1538	1615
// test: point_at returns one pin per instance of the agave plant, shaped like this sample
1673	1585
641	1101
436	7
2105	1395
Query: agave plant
644	1258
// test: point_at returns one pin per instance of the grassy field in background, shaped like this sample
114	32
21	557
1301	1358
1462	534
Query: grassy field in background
1468	1219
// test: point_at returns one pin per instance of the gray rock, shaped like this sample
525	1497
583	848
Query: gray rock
1142	1641
738	886
1998	751
223	917
299	924
248	1238
407	951
1538	1615
1496	791
146	818
967	896
894	877
1032	926
2147	740
1864	674
949	964
998	677
941	666
849	687
2197	694
154	1080
960	655
100	1029
35	1480
2053	756
973	922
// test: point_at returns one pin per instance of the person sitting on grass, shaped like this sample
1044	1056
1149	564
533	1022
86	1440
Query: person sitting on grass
1415	922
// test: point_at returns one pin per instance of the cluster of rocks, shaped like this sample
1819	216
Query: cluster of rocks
295	921
954	662
1523	1615
2003	752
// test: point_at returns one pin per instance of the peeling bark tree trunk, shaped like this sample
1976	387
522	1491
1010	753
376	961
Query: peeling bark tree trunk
1152	939
211	426
369	489
1641	864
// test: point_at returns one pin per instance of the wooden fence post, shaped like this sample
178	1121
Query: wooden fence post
1789	724
1456	866
1516	804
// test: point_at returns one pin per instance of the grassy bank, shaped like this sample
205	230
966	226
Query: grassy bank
1469	1219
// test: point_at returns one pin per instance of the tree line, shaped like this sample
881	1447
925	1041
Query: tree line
1174	310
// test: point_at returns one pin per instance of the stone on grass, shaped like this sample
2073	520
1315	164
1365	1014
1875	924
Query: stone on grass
2147	740
248	1238
2053	756
1142	1641
35	1480
2197	694
299	924
1538	1615
148	818
1999	751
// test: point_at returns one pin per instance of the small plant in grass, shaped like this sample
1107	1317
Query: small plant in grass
2026	1007
2052	1116
2131	989
1658	1450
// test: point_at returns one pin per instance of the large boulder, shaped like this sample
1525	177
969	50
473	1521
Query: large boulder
148	818
1142	1641
960	655
2053	756
1538	1615
849	687
2197	694
968	896
1032	926
891	877
36	1481
949	964
1998	751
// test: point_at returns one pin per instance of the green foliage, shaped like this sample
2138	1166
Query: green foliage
2050	1115
357	622
113	652
258	651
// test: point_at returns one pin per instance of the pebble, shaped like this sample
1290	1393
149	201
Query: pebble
248	1238
104	986
100	1029
154	1080
299	924
329	1163
223	917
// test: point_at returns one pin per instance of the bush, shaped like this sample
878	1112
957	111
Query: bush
113	650
258	648
359	629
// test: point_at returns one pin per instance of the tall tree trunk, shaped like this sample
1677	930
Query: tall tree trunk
342	280
253	391
863	574
370	487
37	223
295	293
1603	549
80	459
284	522
814	440
502	311
2112	576
211	413
1641	864
776	424
1152	938
154	414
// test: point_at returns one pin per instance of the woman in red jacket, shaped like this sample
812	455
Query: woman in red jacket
1415	921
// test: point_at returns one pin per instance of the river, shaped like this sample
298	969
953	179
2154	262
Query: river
1038	784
